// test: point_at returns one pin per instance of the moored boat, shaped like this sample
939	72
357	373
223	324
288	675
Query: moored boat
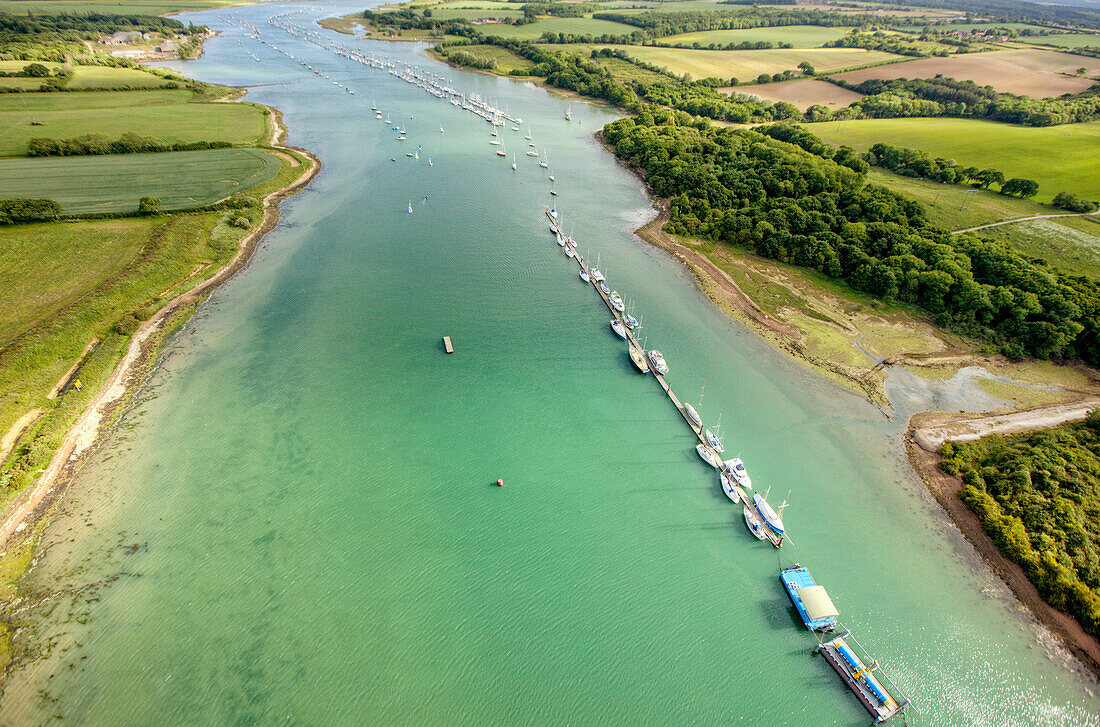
729	487
810	600
616	301
630	321
773	518
617	326
737	471
692	414
714	442
570	251
858	672
584	275
604	289
657	362
754	524
708	456
637	357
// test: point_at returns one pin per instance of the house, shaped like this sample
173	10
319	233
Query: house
167	46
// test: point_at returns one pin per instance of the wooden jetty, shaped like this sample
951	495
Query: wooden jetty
698	430
447	345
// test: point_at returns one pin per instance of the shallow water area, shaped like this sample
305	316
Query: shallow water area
297	522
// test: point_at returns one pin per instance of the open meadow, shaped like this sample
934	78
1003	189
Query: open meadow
85	77
746	65
1026	72
1070	244
1066	40
802	93
115	182
1057	157
799	36
576	26
165	114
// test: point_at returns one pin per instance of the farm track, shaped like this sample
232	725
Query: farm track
1025	219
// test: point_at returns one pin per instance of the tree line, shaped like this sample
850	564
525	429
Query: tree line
17	211
94	144
1038	497
915	163
785	194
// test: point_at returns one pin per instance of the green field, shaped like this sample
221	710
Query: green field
1066	40
506	60
576	26
746	65
87	77
42	274
956	206
800	36
1059	158
165	114
945	27
474	14
115	182
1070	244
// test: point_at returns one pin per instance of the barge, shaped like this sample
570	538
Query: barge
810	600
858	671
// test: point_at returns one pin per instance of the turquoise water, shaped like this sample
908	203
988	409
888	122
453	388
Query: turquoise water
297	522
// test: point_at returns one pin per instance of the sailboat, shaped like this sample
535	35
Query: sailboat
544	161
568	113
513	162
712	437
617	327
441	128
637	357
584	275
410	207
501	152
773	518
528	136
729	487
430	162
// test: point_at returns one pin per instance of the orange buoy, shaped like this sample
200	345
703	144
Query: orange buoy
500	483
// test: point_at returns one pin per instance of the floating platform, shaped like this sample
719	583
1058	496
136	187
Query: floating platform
447	345
857	673
810	600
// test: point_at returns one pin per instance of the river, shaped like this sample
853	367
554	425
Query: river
297	524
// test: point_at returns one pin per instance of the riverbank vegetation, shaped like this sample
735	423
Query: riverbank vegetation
1038	497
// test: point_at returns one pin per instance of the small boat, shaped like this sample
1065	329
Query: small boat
410	207
630	321
544	163
495	142
617	301
729	487
714	442
708	456
527	137
393	159
430	162
584	276
561	240
552	178
737	471
753	523
810	600
596	274
771	517
637	357
501	152
441	128
657	362
570	251
617	326
692	414
604	289
532	153
513	162
515	128
553	193
569	113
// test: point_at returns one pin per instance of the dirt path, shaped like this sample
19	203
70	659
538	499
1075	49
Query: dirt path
11	437
1025	219
931	438
945	489
128	373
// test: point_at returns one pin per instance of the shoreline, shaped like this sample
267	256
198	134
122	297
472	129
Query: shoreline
31	507
944	488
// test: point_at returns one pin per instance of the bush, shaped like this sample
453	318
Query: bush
148	206
14	211
1072	203
241	222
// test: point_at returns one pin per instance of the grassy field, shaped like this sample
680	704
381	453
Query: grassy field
115	182
1028	72
1070	244
86	77
803	93
165	114
799	36
578	26
506	60
958	207
1066	40
1053	156
41	276
748	64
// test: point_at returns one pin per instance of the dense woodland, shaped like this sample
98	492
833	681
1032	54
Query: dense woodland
1038	496
786	195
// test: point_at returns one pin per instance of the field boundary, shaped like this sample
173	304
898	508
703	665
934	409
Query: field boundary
1025	219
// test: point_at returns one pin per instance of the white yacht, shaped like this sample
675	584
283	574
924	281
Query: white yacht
692	414
714	441
616	301
729	487
737	471
708	456
753	522
657	362
771	517
637	357
584	276
617	326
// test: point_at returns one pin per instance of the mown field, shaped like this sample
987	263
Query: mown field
1057	157
1027	72
1066	40
115	182
746	65
577	26
800	36
802	93
165	114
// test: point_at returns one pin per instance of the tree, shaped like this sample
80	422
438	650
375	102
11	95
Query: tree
806	68
1072	203
764	78
986	177
148	206
1082	71
35	70
1020	187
